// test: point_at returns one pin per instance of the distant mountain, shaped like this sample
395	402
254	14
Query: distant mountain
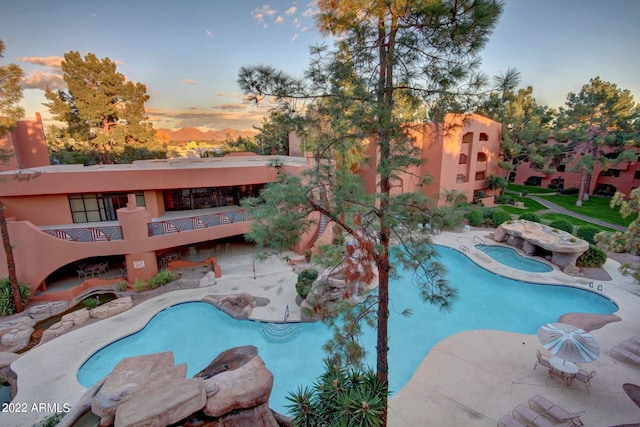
193	134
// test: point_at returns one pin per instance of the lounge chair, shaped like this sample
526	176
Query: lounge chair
635	340
585	377
625	355
631	346
542	360
509	421
558	413
532	417
81	274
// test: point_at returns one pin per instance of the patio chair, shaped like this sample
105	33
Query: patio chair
509	421
558	413
585	377
534	418
630	345
635	340
81	274
542	360
625	355
103	268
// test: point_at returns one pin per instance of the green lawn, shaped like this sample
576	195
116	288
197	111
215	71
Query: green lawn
529	189
595	207
549	217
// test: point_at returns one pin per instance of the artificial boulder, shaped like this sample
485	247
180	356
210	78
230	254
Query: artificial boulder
238	306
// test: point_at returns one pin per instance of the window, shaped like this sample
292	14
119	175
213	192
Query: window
96	207
208	197
636	175
467	138
482	157
480	176
611	172
484	136
460	178
463	159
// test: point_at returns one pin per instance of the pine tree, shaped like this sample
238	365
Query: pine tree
385	51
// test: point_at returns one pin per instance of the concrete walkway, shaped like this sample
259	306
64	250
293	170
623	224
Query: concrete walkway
469	379
552	207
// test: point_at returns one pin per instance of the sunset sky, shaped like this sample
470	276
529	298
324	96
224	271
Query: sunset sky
188	53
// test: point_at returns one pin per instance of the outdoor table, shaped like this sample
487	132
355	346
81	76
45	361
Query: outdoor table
568	369
92	269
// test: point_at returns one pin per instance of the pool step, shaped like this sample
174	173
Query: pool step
279	332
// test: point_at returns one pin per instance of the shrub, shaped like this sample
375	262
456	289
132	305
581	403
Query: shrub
121	286
562	224
570	191
51	420
91	303
593	257
588	233
139	285
530	216
161	279
7	307
305	281
475	218
499	217
505	200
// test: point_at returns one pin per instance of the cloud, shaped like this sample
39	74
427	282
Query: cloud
208	33
261	13
279	20
309	13
42	80
189	82
294	37
291	11
46	61
235	116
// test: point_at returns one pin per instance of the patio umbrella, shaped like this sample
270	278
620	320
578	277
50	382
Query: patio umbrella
568	342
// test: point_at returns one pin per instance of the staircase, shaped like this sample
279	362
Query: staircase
280	332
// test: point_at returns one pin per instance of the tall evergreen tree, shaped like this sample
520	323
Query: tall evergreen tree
103	111
384	49
10	112
526	125
599	115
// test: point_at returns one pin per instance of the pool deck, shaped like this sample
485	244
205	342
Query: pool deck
469	379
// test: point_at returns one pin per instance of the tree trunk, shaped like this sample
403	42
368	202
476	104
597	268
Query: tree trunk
583	177
11	264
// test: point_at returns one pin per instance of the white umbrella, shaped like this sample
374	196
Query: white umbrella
568	342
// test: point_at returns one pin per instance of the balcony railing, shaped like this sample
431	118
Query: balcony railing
87	234
178	225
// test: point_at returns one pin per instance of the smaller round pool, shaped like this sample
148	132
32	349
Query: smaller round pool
511	258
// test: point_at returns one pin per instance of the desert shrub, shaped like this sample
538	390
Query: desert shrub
475	218
51	420
562	224
499	217
505	200
161	279
588	233
530	216
7	306
571	191
593	257
121	286
91	303
305	281
139	285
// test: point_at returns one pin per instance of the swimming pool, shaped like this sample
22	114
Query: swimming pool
512	258
197	332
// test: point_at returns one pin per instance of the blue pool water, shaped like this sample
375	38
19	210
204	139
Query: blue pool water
197	332
511	258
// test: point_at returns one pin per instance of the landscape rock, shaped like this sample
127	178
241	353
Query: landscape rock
18	337
15	323
56	330
7	358
170	401
208	280
112	308
50	309
78	317
258	416
243	385
238	306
